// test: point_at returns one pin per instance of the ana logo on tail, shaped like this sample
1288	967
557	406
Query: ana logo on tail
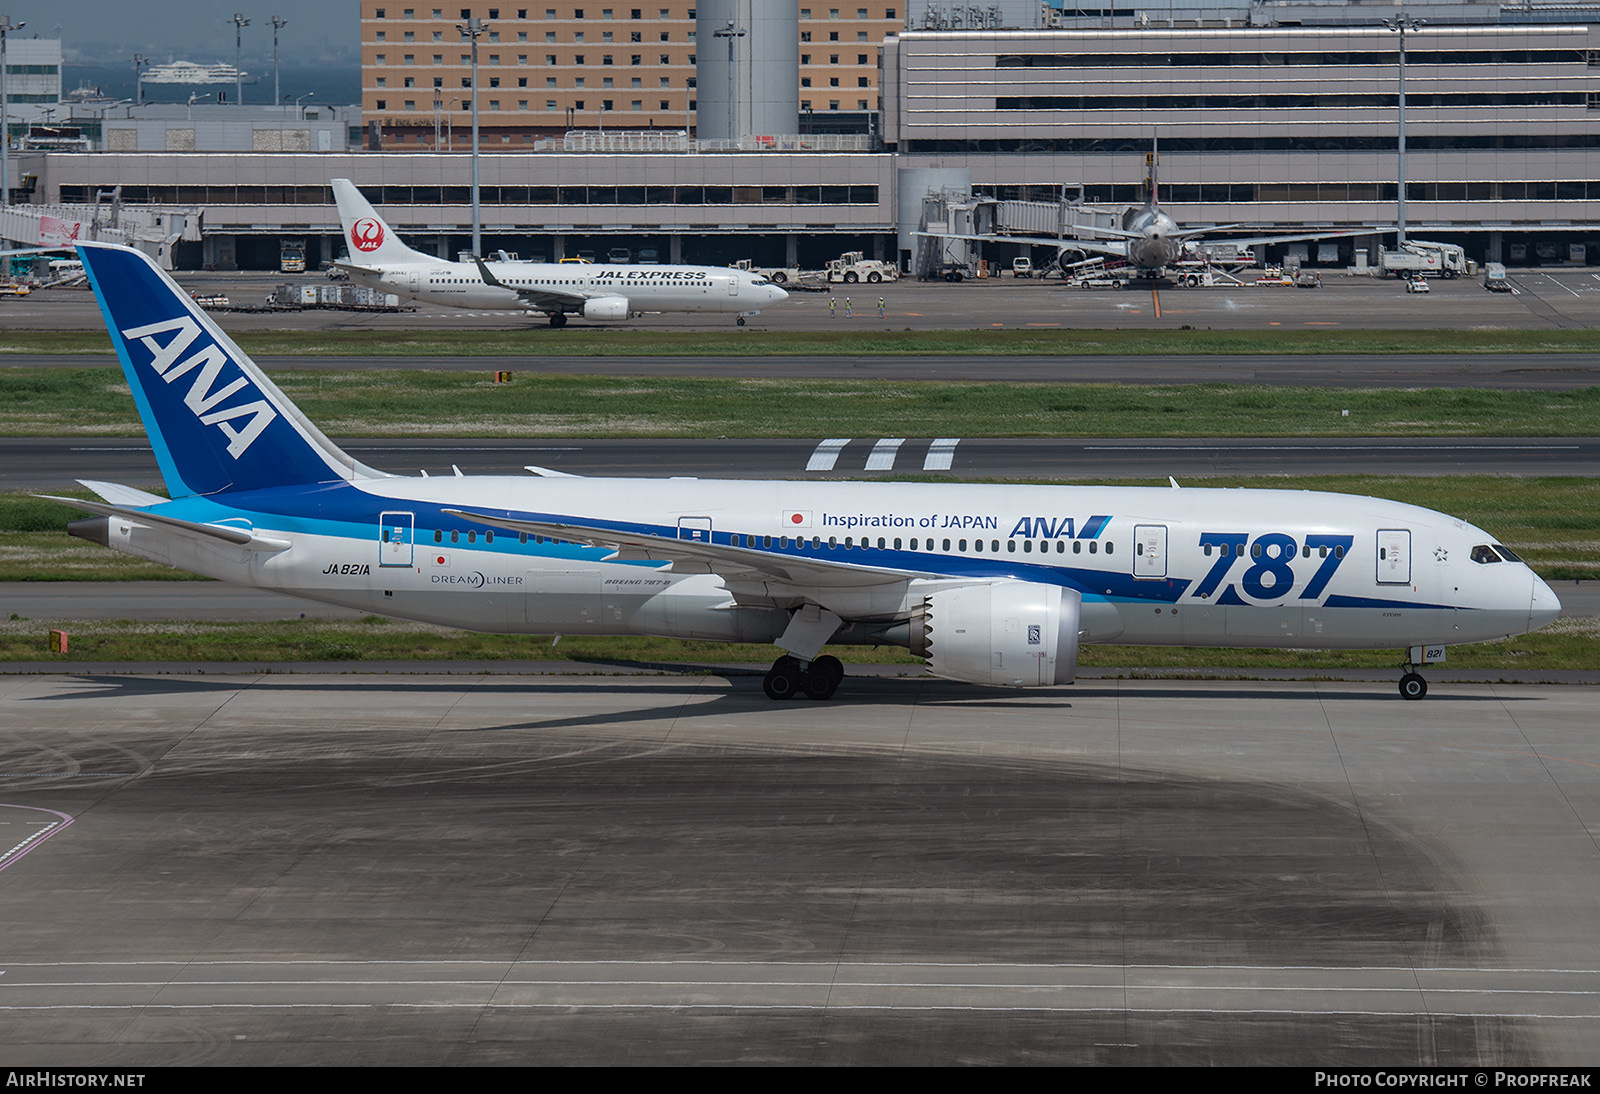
204	397
366	235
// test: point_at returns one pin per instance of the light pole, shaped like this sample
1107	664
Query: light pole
140	63
298	113
475	29
239	23
277	92
1402	23
6	27
731	32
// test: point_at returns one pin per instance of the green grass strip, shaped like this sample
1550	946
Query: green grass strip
1564	645
533	338
51	402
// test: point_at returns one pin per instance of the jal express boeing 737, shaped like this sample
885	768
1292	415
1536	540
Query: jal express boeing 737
606	293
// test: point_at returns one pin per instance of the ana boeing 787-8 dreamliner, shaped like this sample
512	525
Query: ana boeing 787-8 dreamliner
600	293
992	584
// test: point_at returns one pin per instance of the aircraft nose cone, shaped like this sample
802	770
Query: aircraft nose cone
1543	605
778	295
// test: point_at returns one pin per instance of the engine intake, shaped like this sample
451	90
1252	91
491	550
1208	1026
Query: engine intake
606	309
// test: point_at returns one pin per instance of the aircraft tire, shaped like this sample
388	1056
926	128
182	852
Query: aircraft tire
558	319
740	321
783	680
1413	686
823	679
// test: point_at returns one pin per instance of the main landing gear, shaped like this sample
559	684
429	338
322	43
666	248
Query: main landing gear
558	319
790	678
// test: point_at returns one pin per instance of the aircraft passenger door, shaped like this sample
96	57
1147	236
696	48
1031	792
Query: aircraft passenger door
1394	556
396	533
695	529
733	285
1149	550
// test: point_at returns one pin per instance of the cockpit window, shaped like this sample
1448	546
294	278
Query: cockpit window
1484	553
1507	553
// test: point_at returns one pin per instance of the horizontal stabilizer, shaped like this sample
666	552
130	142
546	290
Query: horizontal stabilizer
117	494
239	537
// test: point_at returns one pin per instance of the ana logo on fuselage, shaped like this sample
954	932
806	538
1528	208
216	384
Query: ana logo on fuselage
366	235
204	399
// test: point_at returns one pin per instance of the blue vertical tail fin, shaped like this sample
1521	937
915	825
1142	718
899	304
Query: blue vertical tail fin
215	420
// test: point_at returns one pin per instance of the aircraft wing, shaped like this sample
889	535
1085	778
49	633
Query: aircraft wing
1114	247
1269	240
542	299
646	543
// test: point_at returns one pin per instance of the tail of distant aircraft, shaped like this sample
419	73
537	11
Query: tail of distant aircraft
368	236
215	420
1155	168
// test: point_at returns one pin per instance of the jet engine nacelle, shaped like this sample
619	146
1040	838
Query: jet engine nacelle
1001	633
606	309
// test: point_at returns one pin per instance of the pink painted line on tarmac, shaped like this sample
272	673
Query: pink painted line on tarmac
15	854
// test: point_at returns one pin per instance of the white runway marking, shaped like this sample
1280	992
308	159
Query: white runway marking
941	453
802	986
827	454
883	454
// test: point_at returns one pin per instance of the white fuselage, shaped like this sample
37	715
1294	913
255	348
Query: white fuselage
1153	566
644	288
1158	244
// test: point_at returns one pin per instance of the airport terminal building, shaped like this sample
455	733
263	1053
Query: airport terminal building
1275	127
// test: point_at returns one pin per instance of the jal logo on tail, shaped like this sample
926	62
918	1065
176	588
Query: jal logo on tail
366	235
205	397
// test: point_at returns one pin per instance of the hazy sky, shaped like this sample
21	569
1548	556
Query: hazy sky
193	30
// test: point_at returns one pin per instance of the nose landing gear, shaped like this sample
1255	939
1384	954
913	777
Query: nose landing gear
1413	686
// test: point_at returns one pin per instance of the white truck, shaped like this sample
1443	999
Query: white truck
1421	258
854	266
778	275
